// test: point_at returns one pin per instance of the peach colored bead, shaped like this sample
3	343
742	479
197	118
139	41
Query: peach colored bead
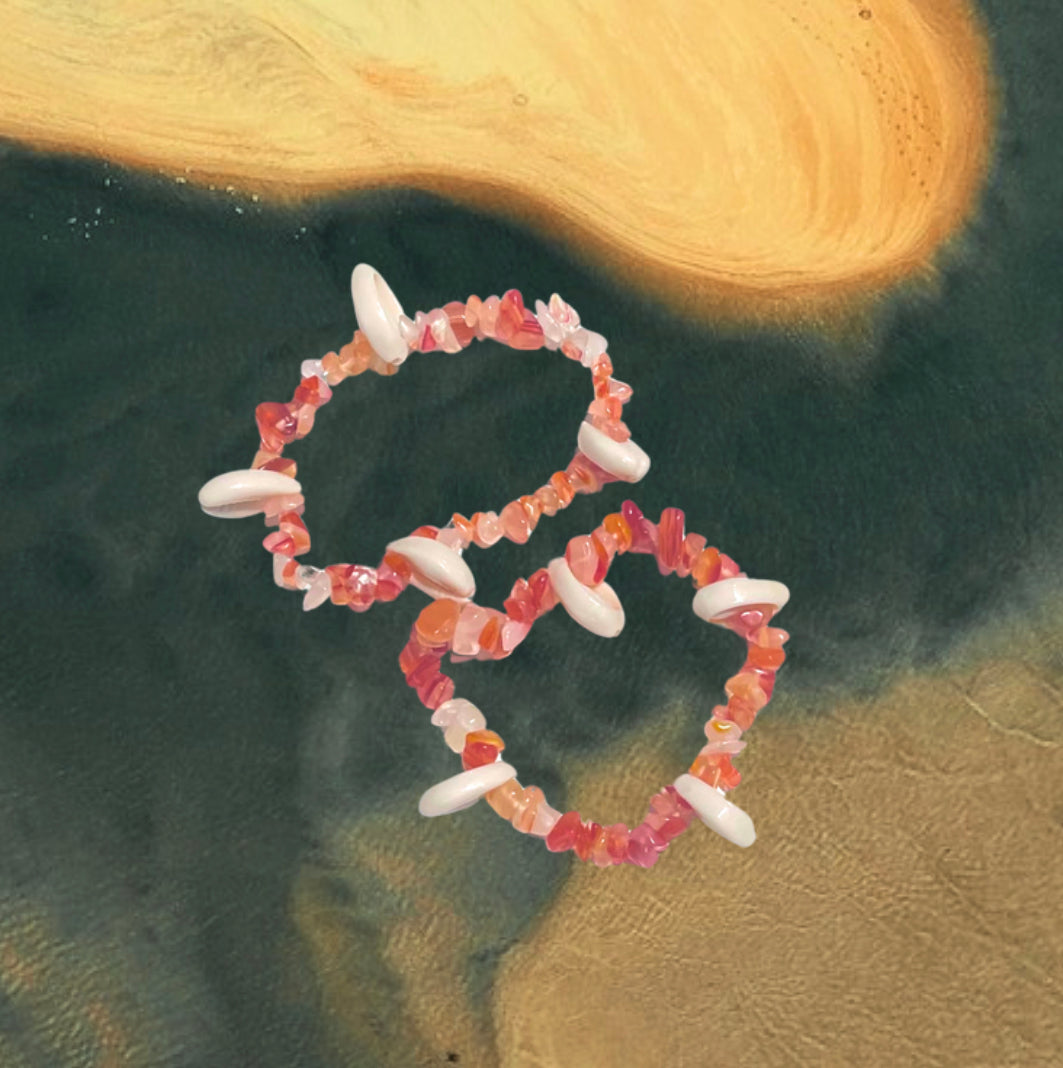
488	529
471	622
728	568
585	561
274	507
766	659
746	687
543	590
330	365
515	523
692	548
527	808
532	508
382	367
356	356
586	836
616	839
603	366
583	477
717	730
716	769
435	625
514	631
562	487
304	420
510	315
292	525
488	316
599	848
548	500
464	527
505	799
284	570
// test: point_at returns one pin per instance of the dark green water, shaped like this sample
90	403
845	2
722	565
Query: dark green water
176	736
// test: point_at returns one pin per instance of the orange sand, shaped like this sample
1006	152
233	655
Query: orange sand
749	155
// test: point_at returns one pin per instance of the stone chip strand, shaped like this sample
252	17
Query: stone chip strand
449	329
463	631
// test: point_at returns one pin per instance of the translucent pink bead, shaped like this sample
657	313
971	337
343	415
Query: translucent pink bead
471	622
621	390
584	560
451	538
513	633
643	532
728	568
640	847
488	529
545	818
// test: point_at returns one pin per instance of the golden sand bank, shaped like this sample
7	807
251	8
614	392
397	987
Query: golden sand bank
740	155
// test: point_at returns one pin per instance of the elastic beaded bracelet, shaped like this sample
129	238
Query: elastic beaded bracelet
726	597
430	557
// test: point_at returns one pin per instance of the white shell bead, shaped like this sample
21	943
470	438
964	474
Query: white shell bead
465	789
438	570
238	494
597	608
716	812
377	310
624	459
726	595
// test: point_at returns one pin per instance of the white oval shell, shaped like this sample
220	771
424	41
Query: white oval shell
464	790
728	594
438	570
624	459
595	607
377	310
238	494
716	812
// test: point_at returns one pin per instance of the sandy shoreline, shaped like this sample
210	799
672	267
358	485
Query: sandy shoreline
737	158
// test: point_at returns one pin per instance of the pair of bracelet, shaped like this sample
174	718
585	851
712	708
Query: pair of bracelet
431	559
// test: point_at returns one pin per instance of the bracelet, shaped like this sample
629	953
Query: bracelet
726	597
429	558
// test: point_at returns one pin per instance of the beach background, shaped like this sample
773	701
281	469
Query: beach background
824	244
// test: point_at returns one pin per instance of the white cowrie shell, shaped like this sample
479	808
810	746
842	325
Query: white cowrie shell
714	600
597	608
716	812
438	570
377	310
238	494
465	789
624	459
